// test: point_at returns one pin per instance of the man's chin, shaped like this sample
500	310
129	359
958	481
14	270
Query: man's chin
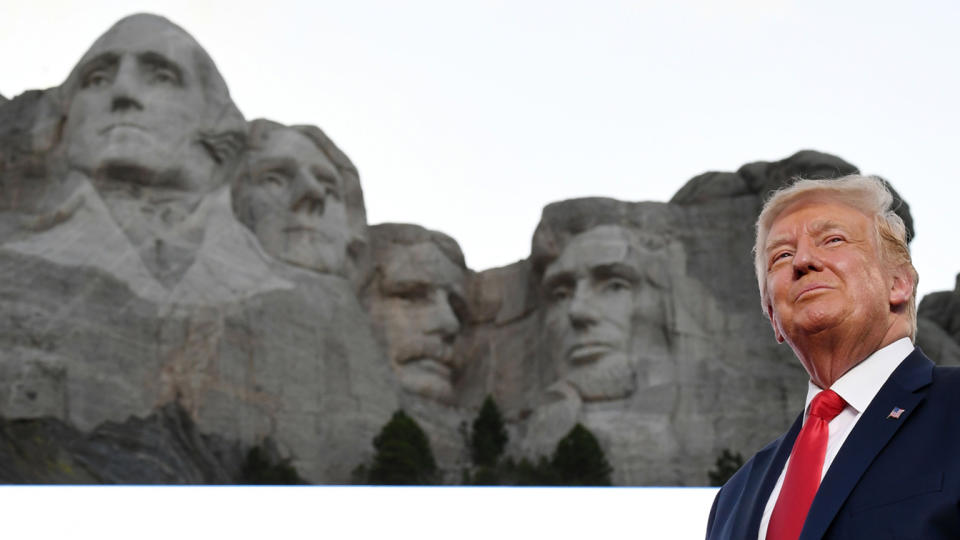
607	378
811	322
136	163
311	250
428	378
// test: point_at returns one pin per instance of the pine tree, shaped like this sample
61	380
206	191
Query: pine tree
403	455
263	466
488	436
727	464
579	461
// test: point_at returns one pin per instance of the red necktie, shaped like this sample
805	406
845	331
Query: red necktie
805	468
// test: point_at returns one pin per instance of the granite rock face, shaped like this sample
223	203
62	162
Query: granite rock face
624	329
179	285
163	448
938	321
129	282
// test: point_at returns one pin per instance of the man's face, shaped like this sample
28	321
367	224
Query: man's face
418	306
138	107
590	291
824	271
294	203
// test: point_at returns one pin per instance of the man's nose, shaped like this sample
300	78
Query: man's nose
441	318
307	194
126	88
806	259
583	310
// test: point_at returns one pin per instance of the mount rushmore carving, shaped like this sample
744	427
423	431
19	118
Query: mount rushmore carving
156	248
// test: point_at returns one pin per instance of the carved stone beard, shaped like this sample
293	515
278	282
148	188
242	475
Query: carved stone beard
160	222
608	379
417	380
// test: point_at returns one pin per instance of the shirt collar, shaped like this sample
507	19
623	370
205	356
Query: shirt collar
862	382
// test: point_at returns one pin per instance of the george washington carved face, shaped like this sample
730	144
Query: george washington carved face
140	104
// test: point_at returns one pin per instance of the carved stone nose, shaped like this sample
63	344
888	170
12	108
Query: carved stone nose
582	311
125	103
310	203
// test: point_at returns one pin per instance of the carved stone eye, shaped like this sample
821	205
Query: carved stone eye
560	292
96	78
164	76
617	285
274	179
413	293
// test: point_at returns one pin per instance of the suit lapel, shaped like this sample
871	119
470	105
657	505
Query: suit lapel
904	389
769	465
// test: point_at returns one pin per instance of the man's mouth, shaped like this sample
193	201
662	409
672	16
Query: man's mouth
299	229
121	126
313	235
811	289
584	353
430	365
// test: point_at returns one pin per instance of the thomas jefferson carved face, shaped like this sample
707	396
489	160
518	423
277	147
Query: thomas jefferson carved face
418	307
293	200
136	107
593	290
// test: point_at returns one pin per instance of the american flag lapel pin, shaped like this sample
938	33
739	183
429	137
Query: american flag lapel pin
895	413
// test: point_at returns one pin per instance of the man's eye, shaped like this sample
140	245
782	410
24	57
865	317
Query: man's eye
95	78
617	285
834	239
274	179
780	256
164	75
561	292
413	294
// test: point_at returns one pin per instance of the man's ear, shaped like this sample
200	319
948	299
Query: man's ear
901	289
773	323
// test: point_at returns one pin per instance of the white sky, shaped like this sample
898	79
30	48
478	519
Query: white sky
469	117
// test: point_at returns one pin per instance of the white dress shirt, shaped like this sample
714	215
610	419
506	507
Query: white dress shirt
857	387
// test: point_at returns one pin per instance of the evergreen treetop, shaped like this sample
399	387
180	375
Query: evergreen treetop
403	455
488	436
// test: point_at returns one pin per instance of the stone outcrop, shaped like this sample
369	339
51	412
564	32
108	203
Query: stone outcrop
163	448
938	322
128	282
180	285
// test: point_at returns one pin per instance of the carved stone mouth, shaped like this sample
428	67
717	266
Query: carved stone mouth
431	365
121	125
585	353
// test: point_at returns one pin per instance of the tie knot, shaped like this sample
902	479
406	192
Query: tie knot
827	405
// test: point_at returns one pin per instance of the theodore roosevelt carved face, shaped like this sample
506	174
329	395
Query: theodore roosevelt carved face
417	304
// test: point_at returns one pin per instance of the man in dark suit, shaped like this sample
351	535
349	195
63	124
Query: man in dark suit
876	452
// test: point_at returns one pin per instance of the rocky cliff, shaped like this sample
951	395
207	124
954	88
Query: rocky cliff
179	279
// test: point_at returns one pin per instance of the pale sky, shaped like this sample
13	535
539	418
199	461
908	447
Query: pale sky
469	117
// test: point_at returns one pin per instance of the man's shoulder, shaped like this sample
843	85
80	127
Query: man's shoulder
759	460
945	384
745	480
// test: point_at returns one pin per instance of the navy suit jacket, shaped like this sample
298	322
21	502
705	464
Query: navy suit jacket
892	478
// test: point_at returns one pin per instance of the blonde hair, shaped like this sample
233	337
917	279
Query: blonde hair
867	194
